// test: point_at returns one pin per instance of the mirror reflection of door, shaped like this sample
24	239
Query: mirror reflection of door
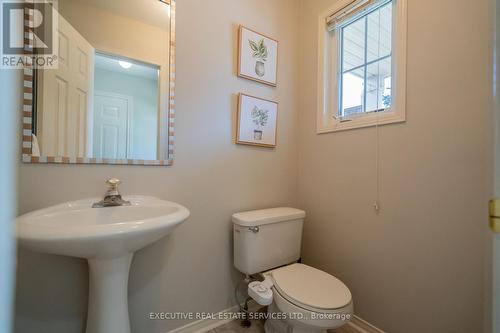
111	130
65	96
125	108
109	99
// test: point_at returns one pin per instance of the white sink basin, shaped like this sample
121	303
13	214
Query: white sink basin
76	229
107	237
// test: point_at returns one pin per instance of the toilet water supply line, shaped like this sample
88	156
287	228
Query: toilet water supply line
244	306
246	280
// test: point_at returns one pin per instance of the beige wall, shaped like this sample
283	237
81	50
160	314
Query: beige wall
192	270
419	265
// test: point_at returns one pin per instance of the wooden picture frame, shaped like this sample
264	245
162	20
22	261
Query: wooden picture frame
257	57
256	121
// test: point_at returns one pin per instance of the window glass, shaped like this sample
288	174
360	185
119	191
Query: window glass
366	62
353	91
378	94
380	33
353	45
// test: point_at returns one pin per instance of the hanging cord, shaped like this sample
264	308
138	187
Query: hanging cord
376	205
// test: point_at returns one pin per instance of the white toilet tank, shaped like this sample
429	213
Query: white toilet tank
267	238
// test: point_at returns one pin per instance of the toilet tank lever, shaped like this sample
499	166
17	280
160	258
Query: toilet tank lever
254	229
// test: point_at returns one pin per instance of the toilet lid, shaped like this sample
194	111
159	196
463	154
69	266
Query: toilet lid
311	287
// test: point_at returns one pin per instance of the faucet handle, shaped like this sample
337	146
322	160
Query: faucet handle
113	183
112	197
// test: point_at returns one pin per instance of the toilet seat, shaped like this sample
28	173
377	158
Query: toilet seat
321	320
310	288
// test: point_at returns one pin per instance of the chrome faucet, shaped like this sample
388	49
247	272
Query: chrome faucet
112	198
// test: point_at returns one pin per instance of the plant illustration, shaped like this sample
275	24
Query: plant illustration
260	53
259	50
260	116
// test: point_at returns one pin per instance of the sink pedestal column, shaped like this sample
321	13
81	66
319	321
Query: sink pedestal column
108	295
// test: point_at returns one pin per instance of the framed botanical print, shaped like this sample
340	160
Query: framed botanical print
258	57
257	121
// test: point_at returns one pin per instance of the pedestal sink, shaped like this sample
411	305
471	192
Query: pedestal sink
107	238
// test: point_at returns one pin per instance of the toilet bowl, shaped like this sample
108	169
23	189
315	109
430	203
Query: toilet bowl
306	299
300	298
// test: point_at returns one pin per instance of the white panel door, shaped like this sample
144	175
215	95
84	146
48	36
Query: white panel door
67	97
111	125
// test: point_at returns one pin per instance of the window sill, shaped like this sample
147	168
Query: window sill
371	120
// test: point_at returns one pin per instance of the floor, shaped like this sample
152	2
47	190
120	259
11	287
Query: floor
258	327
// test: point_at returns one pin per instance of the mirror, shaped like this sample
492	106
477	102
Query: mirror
109	100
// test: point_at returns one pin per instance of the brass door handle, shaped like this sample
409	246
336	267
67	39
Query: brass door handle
495	215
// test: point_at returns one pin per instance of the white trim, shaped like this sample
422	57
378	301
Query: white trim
494	306
10	94
205	325
362	326
328	82
496	283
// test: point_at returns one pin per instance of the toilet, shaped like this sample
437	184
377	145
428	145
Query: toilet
300	298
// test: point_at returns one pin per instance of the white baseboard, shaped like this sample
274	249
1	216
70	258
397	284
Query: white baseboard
362	326
203	326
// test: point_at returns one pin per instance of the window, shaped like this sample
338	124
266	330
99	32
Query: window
362	58
366	51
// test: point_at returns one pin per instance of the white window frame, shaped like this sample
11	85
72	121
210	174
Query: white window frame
328	75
